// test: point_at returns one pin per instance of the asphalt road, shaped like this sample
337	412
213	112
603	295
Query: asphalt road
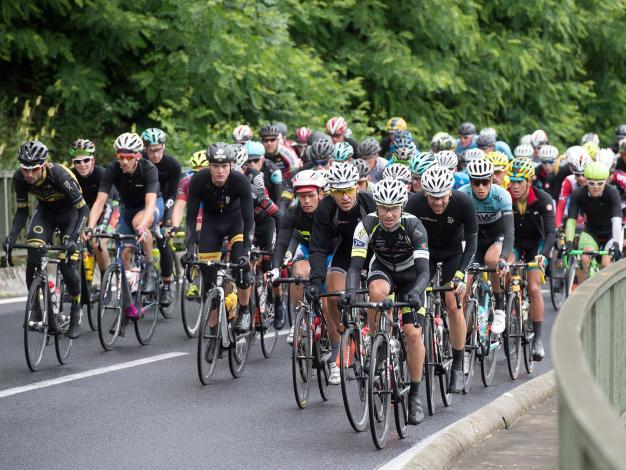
158	415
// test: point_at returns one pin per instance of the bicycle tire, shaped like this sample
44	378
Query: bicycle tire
489	355
557	281
168	311
301	358
191	305
471	345
35	331
147	311
401	385
322	352
110	317
513	336
209	338
91	303
570	277
528	335
62	343
446	367
353	379
378	391
240	348
269	335
429	363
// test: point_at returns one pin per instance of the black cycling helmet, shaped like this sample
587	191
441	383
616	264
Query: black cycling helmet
363	167
368	146
315	136
32	153
467	128
220	152
269	130
322	149
305	156
282	128
620	131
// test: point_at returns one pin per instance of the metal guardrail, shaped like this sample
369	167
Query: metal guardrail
7	202
589	357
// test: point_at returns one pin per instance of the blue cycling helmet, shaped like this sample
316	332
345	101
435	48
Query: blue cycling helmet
255	150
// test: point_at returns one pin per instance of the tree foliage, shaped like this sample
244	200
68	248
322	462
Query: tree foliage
96	68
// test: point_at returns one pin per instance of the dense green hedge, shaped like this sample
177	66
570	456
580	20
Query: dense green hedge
96	68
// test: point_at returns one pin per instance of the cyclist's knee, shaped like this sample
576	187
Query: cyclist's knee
301	268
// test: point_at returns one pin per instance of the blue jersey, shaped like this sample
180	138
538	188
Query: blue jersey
460	149
460	179
490	210
503	147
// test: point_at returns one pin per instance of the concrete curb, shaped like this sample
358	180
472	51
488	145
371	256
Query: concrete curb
13	282
451	443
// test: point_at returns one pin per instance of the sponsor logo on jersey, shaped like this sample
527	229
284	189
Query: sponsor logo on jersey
450	220
357	242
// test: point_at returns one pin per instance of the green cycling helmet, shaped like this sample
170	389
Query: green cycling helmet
596	171
422	162
153	136
342	151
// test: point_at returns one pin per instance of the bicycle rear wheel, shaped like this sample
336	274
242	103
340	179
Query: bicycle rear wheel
558	291
527	343
429	363
110	315
191	301
322	352
36	319
168	311
209	337
379	391
353	378
147	312
62	343
265	304
489	357
471	345
239	350
301	358
513	335
445	356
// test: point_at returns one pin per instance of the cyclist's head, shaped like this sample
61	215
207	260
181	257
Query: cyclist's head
590	137
607	158
336	128
577	159
240	154
82	152
242	134
343	178
548	154
398	172
198	161
481	173
442	141
486	142
620	132
390	196
596	174
308	186
622	147
128	147
256	154
368	149
592	149
282	129
472	154
32	157
303	134
220	156
437	183
447	159
269	138
521	172
467	130
154	141
342	152
538	138
396	124
404	150
524	150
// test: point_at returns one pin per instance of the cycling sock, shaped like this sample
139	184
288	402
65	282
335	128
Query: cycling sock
457	358
537	326
415	388
499	300
334	348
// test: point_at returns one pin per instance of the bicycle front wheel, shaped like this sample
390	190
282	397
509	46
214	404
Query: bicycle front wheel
191	300
401	385
301	358
62	343
209	335
269	335
168	311
379	391
36	323
490	345
570	276
513	336
110	315
557	280
147	312
445	355
353	378
429	363
528	335
471	345
322	352
238	352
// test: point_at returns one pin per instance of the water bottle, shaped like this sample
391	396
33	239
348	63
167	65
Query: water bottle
525	308
482	319
54	296
395	350
156	256
133	278
88	262
231	304
439	328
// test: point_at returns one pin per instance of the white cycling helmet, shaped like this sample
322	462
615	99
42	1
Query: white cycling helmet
473	154
342	175
480	169
306	180
128	142
548	153
606	157
437	181
397	171
241	155
242	133
447	159
539	138
391	192
524	150
526	139
578	158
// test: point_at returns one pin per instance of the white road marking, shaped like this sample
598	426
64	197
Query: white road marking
88	373
12	300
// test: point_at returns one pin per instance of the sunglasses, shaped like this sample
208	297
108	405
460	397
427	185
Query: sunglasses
30	168
481	182
81	161
269	139
596	184
320	162
579	175
126	156
343	191
391	209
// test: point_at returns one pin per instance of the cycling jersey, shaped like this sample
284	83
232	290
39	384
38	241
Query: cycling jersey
334	228
504	148
448	230
169	171
545	180
58	189
562	206
618	179
460	149
295	222
90	184
562	173
232	201
460	179
603	214
264	207
131	187
273	180
534	222
286	160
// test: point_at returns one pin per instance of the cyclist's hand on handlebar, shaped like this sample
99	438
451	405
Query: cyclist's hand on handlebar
346	299
542	261
413	300
312	292
86	235
459	283
170	231
142	233
502	267
186	259
8	243
616	252
244	261
569	246
273	274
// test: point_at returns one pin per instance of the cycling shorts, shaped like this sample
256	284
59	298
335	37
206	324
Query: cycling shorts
484	243
400	282
449	264
340	261
127	213
527	250
594	241
302	254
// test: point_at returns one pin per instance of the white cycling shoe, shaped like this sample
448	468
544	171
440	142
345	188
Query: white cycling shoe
499	322
334	378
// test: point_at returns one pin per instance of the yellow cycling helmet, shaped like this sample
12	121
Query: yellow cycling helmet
198	160
592	149
499	160
396	124
521	169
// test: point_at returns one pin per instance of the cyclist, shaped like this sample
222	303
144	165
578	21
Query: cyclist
393	125
468	156
545	175
369	151
89	175
500	162
578	159
272	176
466	140
535	233
283	157
169	171
399	172
321	152
342	152
337	129
618	177
404	150
449	160
364	172
494	212
442	141
197	162
399	264
449	217
60	206
418	165
242	134
490	142
524	150
228	211
137	181
334	222
301	142
538	139
601	206
620	134
297	221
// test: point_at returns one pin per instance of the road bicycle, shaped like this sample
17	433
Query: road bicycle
167	311
263	314
573	264
557	278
